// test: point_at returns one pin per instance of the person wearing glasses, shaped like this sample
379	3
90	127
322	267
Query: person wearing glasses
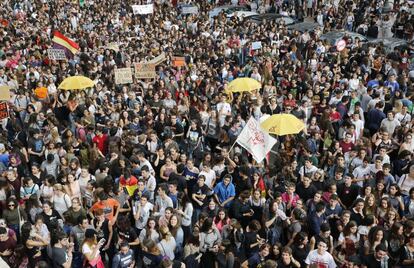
13	215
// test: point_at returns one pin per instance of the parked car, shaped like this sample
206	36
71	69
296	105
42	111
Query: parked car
333	37
259	19
303	27
227	10
390	43
242	14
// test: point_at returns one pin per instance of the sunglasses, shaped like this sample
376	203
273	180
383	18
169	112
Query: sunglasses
11	205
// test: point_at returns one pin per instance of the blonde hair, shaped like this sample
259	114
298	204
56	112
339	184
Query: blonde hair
165	232
58	187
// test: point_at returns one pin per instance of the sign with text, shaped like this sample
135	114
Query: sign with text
256	45
56	54
4	93
144	70
159	59
143	9
178	61
123	76
4	111
190	10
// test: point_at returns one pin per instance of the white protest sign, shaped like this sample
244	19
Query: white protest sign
143	9
256	45
123	76
190	10
159	59
56	54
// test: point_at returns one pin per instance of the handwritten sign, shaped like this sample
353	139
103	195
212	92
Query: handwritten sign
56	54
178	61
159	59
256	45
4	111
123	76
144	70
143	9
4	93
190	10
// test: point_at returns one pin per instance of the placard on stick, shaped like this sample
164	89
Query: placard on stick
123	76
144	70
56	54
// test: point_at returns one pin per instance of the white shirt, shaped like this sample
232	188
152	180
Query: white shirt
325	260
210	177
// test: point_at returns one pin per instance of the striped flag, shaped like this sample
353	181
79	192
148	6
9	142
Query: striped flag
62	42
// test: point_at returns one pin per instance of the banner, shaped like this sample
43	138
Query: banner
143	9
56	54
144	70
4	111
123	76
255	140
159	59
178	61
189	10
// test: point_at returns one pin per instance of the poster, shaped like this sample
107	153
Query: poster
159	59
144	70
4	112
190	10
123	76
56	54
178	61
4	93
143	9
256	45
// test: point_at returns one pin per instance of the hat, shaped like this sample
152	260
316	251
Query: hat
90	233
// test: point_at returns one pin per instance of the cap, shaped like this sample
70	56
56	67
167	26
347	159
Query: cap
89	233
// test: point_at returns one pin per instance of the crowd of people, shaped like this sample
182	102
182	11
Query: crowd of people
146	175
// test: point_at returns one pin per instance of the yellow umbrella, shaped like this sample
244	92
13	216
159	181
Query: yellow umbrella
244	84
283	124
76	82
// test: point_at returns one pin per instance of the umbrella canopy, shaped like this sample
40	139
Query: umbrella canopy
283	124
244	84
76	82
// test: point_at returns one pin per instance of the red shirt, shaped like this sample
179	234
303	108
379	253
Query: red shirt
101	142
346	147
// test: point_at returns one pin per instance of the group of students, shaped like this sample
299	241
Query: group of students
146	175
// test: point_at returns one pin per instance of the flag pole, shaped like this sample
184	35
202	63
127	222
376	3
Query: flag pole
231	148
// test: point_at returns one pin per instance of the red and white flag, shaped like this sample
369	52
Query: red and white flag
255	140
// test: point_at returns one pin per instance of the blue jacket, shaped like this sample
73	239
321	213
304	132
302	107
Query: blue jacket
225	192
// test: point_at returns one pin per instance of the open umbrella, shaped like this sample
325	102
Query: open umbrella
244	84
283	124
76	82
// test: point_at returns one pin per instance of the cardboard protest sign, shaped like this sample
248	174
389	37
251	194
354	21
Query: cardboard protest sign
56	54
178	61
256	45
190	10
143	9
123	76
159	59
4	93
4	111
144	70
